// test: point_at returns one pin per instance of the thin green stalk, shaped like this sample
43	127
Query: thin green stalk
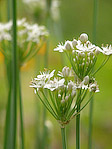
90	125
78	128
8	9
7	121
21	113
95	13
8	109
63	134
14	79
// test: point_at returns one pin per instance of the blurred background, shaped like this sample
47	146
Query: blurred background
67	20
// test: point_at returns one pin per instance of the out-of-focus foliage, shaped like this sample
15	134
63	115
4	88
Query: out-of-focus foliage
76	17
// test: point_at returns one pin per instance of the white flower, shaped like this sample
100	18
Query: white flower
94	87
107	50
54	84
85	47
46	75
60	48
37	85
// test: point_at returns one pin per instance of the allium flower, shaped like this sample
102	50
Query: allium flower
30	38
64	92
107	50
82	55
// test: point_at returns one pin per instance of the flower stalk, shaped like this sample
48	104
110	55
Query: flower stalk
63	134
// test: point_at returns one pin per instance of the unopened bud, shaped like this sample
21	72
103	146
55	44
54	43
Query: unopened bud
66	71
59	96
62	101
74	60
70	85
83	37
86	80
73	93
82	64
73	52
83	54
74	43
66	98
97	51
68	45
87	63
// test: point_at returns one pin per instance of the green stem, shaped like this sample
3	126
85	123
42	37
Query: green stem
78	128
21	113
63	134
14	79
95	13
7	121
44	129
90	124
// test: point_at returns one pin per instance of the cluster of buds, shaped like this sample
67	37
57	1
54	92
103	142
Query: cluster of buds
30	37
65	93
83	55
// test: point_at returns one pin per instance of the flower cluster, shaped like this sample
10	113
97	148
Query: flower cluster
65	92
82	55
30	38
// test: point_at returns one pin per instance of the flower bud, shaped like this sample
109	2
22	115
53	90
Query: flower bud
73	93
73	52
83	37
66	71
66	98
74	60
83	54
87	63
74	43
70	85
59	96
68	45
62	102
97	51
82	64
86	80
